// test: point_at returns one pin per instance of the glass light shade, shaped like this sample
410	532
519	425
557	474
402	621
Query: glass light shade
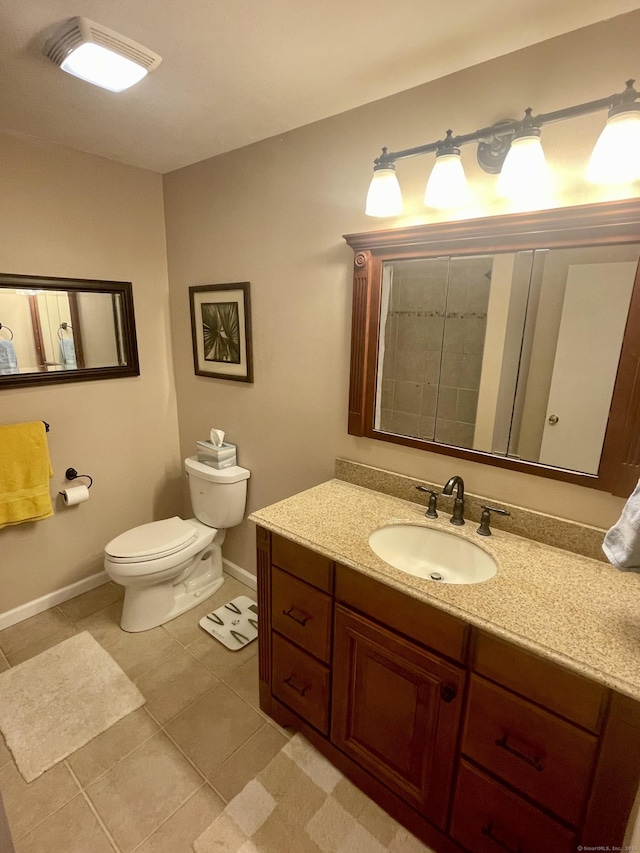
524	175
447	184
384	197
616	156
102	67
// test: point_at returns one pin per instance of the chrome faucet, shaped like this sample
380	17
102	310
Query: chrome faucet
458	504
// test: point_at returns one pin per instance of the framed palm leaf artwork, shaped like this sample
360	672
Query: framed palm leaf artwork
221	331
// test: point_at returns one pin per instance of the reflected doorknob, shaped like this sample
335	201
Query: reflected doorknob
553	419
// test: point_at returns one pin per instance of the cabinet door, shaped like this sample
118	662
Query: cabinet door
396	711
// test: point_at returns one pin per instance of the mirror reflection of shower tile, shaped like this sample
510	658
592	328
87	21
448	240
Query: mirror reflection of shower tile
429	400
407	397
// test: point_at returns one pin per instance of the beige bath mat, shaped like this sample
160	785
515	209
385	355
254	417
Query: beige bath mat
300	802
59	700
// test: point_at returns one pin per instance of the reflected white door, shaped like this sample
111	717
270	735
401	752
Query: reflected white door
594	315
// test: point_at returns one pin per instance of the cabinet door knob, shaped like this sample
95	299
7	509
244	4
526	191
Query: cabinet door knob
447	693
553	419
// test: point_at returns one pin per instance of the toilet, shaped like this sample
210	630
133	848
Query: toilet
169	566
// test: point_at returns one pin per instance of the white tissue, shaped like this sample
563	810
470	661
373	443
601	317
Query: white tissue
75	495
217	437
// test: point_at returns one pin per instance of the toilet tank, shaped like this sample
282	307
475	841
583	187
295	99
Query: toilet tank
218	496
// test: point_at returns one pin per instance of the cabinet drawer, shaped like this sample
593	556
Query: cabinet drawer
301	613
541	755
301	682
301	562
409	616
488	818
565	693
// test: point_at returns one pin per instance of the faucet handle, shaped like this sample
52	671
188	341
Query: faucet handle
484	529
433	501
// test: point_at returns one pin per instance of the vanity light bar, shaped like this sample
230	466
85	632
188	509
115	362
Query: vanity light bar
617	152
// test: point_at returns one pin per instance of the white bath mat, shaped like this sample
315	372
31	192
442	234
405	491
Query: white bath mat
58	701
235	624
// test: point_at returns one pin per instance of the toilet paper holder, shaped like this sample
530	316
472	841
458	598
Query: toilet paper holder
72	474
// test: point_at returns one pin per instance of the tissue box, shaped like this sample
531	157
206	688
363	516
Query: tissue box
223	456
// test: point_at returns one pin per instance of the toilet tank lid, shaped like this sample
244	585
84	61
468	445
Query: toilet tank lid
233	474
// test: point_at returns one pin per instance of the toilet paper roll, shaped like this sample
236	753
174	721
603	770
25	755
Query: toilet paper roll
217	437
75	495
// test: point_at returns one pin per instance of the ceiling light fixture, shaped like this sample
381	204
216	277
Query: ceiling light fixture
99	55
513	149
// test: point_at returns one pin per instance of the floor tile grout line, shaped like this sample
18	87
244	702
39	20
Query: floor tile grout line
121	759
186	707
168	818
25	646
96	814
67	618
51	814
217	792
177	745
61	613
233	754
221	677
179	748
162	663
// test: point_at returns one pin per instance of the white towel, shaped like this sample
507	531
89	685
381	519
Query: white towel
68	353
8	359
622	543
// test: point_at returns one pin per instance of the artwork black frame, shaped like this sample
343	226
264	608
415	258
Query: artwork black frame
221	331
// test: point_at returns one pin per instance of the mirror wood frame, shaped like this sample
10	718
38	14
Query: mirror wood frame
76	285
606	223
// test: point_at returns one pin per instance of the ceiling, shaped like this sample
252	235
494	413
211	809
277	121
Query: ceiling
237	72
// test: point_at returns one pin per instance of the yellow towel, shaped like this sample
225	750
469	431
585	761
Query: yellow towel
25	471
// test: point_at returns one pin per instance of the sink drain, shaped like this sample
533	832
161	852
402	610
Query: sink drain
435	576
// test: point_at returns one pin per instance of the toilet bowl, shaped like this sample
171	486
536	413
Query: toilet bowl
169	566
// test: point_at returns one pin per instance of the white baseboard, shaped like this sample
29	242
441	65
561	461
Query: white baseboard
240	574
31	608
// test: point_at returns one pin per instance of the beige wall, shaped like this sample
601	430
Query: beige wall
273	213
65	213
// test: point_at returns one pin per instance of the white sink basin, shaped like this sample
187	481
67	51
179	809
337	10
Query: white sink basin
427	552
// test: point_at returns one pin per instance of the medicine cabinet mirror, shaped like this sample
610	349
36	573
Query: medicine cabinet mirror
512	340
65	330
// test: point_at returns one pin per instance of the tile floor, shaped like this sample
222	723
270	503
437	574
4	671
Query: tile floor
153	782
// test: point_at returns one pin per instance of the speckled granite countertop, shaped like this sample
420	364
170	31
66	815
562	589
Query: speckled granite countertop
576	611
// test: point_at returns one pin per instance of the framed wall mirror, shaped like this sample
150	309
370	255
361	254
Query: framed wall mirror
512	340
65	330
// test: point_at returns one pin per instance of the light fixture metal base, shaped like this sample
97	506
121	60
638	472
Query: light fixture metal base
492	154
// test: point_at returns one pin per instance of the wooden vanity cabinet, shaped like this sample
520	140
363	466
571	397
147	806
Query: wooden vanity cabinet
471	742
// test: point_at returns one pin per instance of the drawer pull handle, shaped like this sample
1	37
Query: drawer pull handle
302	622
291	683
489	833
532	762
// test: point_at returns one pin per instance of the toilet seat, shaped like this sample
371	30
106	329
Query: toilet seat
152	541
